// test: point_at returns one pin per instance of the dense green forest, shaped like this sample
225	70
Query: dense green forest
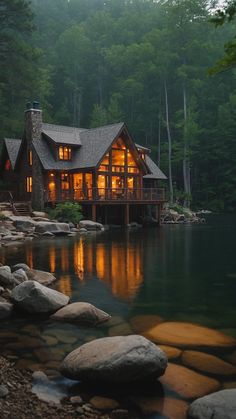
146	62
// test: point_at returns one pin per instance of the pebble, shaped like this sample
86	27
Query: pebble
3	391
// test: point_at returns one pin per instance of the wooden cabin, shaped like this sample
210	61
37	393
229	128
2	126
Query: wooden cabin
103	169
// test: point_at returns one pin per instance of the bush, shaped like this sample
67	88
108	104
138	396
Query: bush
67	212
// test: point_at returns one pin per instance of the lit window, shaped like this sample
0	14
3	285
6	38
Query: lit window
64	153
29	184
65	183
30	157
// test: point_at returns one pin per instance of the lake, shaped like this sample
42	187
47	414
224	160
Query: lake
181	273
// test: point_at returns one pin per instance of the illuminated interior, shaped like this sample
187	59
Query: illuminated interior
52	186
29	184
65	181
121	162
64	153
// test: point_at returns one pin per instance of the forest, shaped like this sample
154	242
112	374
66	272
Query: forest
159	66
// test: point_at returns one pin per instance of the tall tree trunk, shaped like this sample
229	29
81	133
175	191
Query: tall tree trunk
186	160
169	144
159	137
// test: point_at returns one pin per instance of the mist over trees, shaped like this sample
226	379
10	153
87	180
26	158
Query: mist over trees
95	62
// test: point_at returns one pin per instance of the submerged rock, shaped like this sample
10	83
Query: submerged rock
168	407
140	323
53	227
189	335
207	363
220	405
120	359
90	225
187	383
81	313
36	298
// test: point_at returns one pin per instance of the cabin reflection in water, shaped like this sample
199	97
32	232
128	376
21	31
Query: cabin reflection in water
119	266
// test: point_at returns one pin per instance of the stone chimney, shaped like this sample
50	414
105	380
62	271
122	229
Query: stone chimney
33	122
33	132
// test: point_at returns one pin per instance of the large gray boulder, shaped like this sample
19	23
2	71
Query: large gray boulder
119	359
23	223
81	313
90	225
20	275
219	405
44	278
53	227
36	298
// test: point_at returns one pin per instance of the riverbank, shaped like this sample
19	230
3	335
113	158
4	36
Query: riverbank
18	402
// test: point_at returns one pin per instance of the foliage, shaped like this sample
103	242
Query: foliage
67	212
92	63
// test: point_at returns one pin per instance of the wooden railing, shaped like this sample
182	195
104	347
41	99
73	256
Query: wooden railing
109	194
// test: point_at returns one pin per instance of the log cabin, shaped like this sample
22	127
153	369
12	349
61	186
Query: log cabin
114	179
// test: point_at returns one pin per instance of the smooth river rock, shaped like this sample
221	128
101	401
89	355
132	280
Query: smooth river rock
44	278
168	407
119	359
189	335
140	323
81	313
90	225
6	277
207	363
187	383
220	405
36	298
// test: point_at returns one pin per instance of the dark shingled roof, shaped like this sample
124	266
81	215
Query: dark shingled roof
13	147
63	135
156	173
94	142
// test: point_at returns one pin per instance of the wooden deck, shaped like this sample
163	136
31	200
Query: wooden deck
109	196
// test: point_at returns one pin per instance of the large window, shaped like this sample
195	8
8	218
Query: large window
30	157
65	181
64	153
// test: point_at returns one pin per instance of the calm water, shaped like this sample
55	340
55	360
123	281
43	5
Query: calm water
179	272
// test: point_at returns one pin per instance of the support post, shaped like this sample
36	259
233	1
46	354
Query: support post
126	214
94	212
159	210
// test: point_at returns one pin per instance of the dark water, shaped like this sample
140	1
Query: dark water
179	272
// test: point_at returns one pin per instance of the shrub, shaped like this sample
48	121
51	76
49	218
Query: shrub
67	212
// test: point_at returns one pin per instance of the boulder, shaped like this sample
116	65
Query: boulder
39	214
219	405
5	310
81	313
23	223
55	228
6	277
20	275
119	359
45	278
189	335
36	298
20	266
90	225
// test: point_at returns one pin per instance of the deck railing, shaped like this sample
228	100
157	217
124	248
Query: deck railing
108	194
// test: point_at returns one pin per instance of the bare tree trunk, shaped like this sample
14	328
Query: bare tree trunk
159	137
186	160
169	144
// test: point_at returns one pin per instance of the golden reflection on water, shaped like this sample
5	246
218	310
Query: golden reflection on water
64	285
119	266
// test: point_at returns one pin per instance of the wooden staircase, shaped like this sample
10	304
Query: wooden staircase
7	203
22	208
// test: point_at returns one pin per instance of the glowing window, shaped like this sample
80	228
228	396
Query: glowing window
64	153
29	184
30	157
65	182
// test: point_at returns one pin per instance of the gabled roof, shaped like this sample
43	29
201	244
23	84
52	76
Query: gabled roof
63	135
156	173
13	147
94	144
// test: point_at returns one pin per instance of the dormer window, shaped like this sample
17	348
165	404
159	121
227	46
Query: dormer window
64	153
